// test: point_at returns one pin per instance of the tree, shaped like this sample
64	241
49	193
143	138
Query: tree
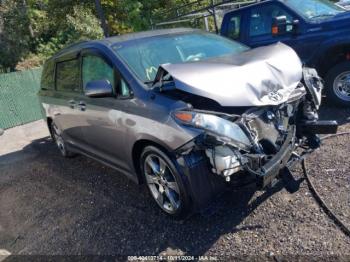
14	37
33	30
102	17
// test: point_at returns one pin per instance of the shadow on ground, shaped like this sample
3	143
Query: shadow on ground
52	205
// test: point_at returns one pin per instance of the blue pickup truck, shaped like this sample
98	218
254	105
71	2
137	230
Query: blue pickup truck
318	30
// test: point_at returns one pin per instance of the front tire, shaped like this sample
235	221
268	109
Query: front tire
338	85
165	183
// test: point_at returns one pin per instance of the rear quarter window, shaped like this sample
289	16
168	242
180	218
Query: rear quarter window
47	76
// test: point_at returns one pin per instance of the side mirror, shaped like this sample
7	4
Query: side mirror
279	25
99	88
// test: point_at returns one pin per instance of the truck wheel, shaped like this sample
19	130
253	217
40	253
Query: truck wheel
338	85
164	182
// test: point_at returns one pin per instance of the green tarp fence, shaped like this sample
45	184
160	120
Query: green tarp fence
19	103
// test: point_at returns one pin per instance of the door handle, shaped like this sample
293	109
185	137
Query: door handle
71	104
82	106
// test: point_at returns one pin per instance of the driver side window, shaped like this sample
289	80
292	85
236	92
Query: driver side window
261	18
95	68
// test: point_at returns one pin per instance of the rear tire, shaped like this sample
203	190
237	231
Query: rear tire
58	139
338	85
165	183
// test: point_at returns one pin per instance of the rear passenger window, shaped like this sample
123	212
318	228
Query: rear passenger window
68	75
233	27
47	76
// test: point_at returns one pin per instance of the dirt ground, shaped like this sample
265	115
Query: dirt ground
50	205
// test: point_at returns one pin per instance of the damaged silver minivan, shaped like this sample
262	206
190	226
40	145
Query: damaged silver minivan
187	112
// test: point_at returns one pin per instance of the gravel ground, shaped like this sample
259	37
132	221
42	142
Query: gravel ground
330	176
51	205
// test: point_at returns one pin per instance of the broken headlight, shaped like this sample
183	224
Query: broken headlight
215	125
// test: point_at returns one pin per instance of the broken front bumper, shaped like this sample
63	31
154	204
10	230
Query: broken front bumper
271	170
205	186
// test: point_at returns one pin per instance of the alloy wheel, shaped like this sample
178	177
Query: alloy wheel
162	183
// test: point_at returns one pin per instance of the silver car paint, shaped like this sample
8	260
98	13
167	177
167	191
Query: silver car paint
259	77
109	129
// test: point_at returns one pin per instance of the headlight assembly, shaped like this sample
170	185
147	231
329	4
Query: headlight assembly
214	124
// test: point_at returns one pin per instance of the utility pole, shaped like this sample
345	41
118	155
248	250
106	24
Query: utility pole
102	17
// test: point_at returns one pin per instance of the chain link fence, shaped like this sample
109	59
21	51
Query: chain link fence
19	103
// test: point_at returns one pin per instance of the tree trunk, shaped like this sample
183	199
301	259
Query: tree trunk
102	17
25	9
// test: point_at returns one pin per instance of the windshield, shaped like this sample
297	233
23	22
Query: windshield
145	55
314	9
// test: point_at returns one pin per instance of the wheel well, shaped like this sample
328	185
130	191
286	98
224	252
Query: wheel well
136	154
333	56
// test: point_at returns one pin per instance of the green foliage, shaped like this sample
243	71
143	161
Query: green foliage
80	25
14	39
84	24
136	15
33	30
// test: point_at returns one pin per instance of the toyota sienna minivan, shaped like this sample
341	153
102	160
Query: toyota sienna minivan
186	112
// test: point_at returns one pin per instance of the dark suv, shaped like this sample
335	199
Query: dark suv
188	112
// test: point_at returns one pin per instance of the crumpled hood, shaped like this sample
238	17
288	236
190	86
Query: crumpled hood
258	77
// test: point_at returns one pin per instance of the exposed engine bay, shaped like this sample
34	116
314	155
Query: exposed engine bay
255	127
260	141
